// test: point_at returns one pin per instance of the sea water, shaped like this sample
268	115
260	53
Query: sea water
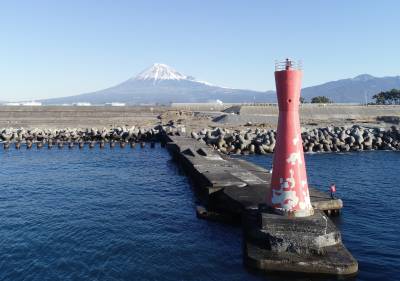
129	214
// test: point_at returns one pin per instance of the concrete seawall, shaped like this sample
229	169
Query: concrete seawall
194	115
268	113
77	116
319	111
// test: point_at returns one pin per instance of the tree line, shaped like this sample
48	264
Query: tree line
388	97
318	99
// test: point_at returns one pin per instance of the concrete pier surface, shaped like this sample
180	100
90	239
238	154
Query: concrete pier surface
235	190
239	183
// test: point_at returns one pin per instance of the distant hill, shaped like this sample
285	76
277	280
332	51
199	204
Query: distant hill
161	84
352	90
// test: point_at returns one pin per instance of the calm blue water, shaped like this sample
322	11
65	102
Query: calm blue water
128	214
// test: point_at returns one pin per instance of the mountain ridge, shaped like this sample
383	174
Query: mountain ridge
358	89
162	84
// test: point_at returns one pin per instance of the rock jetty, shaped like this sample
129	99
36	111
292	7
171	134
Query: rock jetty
328	139
92	136
248	141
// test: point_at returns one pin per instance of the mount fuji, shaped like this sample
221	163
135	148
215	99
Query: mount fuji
161	84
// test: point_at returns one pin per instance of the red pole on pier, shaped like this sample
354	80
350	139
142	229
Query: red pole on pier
289	188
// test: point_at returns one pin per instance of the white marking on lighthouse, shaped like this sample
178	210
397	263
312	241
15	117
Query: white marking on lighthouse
286	195
294	157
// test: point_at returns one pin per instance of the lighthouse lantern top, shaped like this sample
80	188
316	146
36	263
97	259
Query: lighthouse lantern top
288	64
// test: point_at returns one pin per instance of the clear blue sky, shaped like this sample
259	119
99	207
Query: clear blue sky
58	48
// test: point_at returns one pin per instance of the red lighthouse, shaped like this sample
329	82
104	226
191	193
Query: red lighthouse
289	188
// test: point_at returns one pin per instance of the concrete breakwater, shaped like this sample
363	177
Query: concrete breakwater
232	188
328	139
250	141
50	137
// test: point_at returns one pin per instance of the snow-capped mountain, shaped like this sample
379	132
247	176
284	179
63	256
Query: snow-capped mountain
162	84
158	72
